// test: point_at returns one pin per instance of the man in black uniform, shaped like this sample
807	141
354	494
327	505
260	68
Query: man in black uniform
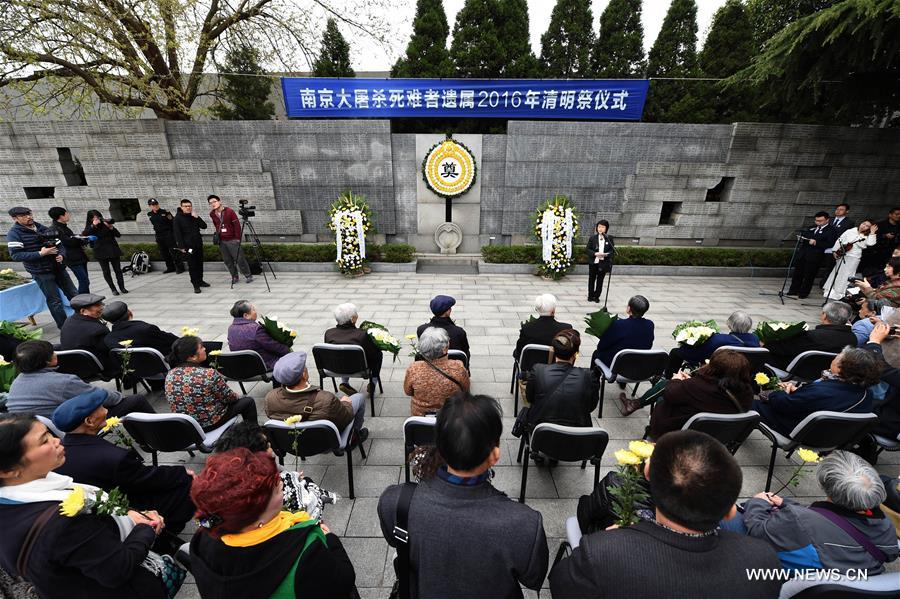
814	241
187	227
161	219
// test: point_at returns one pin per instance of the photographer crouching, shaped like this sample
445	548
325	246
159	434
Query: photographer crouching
37	247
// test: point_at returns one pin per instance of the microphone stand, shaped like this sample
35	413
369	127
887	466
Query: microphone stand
838	266
608	284
787	274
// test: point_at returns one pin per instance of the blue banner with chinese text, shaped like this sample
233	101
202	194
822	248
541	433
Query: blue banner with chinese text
601	99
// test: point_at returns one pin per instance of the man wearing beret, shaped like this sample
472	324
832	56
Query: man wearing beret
37	247
84	330
297	396
441	306
95	461
143	334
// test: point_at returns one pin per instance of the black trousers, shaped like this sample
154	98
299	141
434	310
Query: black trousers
171	256
596	274
195	265
245	407
105	264
805	270
129	404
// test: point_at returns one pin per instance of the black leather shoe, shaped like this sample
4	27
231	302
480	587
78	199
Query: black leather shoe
196	290
114	292
124	290
204	284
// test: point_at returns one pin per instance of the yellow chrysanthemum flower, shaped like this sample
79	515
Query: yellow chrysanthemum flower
292	420
642	449
215	352
626	458
293	333
808	456
3	362
411	337
73	504
110	423
761	378
126	342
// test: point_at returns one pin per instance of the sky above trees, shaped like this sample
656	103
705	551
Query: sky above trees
367	55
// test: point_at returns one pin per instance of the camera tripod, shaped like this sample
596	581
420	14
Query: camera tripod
249	232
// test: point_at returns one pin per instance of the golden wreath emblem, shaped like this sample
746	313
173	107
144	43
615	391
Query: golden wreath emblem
449	169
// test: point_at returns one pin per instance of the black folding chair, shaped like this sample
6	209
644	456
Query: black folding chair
82	364
631	366
145	364
565	444
242	366
334	361
757	356
730	429
172	432
533	353
807	366
417	431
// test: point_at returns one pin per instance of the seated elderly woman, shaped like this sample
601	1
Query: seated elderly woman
248	546
79	556
346	333
724	386
869	314
201	392
246	333
890	289
846	532
434	378
842	388
739	325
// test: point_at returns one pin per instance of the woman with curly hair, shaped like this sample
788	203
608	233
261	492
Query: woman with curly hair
248	546
842	388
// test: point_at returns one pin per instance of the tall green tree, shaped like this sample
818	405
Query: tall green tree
334	57
566	45
490	39
426	54
729	48
771	16
245	87
673	55
619	50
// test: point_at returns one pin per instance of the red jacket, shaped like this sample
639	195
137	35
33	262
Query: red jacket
228	227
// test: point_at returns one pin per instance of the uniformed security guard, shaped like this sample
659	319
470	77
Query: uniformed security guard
162	219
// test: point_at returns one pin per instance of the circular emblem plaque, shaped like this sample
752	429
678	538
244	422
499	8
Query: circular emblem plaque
449	169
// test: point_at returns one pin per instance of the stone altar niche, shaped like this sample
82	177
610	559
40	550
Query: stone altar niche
433	233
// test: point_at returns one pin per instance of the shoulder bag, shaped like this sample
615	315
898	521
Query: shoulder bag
456	382
400	590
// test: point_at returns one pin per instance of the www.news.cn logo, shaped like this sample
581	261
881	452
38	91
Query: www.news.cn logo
810	574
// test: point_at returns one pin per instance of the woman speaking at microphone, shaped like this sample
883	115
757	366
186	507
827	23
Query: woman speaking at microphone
600	252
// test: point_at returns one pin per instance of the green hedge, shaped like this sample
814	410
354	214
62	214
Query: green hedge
651	256
279	252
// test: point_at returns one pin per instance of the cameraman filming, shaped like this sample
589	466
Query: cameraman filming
36	246
228	236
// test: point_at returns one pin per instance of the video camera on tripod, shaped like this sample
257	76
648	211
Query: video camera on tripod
246	211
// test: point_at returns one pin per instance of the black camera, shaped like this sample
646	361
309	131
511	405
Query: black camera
246	211
855	279
49	239
110	221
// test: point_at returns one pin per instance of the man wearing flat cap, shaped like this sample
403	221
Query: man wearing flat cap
142	334
297	397
441	306
37	247
93	460
162	221
84	329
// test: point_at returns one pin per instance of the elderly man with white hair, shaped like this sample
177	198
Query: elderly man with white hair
739	326
542	329
346	333
846	532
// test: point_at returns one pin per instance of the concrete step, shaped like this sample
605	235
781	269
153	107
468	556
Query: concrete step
445	259
448	264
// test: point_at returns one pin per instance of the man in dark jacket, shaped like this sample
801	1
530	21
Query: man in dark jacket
560	392
143	334
888	237
441	307
815	240
634	332
541	330
73	253
833	335
187	226
346	333
162	220
694	483
37	247
84	329
93	460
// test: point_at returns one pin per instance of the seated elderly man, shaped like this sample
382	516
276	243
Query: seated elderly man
739	335
634	332
562	393
846	532
434	378
843	388
297	396
93	460
346	333
84	329
694	482
143	334
542	330
246	333
441	306
832	335
39	389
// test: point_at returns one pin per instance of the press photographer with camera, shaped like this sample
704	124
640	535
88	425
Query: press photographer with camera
106	248
228	237
36	246
189	241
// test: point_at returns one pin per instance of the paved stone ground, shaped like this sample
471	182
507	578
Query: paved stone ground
490	308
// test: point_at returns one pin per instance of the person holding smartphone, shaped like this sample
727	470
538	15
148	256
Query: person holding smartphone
106	248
